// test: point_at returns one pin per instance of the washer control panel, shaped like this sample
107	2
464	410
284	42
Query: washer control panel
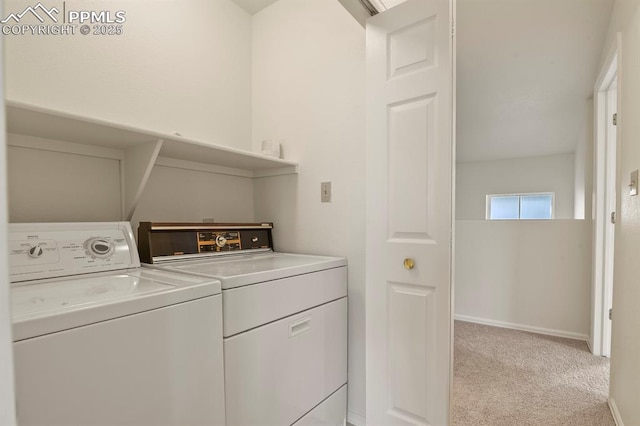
38	251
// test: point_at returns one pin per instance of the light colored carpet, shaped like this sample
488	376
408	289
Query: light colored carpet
507	377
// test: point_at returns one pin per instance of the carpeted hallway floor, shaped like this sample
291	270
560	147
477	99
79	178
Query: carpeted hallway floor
507	377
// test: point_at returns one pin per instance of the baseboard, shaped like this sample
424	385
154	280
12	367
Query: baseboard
615	413
522	327
356	419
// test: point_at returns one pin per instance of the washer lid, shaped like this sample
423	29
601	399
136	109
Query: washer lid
240	270
42	307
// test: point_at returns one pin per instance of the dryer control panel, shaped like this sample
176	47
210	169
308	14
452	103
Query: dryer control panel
218	241
159	242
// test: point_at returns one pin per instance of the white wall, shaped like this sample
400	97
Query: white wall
46	186
308	89
624	391
179	66
528	274
583	181
177	195
474	180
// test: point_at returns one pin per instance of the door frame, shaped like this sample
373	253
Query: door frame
454	150
603	248
7	394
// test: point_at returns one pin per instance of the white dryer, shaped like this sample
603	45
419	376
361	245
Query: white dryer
284	319
100	341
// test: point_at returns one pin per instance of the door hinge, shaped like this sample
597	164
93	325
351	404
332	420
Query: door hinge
615	119
613	217
453	28
610	313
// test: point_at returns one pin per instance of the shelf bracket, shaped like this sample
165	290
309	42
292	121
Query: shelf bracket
138	162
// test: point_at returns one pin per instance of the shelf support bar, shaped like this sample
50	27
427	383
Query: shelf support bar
138	162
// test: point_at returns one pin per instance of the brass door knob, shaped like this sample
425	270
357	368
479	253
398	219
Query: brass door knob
409	263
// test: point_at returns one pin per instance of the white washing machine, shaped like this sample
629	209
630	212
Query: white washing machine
284	319
100	341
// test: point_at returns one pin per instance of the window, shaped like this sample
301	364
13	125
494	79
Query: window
520	206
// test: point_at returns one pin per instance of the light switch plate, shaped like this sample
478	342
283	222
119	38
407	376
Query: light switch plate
325	192
633	185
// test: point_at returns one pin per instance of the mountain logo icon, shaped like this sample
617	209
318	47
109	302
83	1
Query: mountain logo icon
39	10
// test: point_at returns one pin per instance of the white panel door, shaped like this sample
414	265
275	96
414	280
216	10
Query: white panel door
409	213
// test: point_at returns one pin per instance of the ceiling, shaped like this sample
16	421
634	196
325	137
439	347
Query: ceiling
254	6
524	71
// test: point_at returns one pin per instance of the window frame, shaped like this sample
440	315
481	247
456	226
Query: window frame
519	195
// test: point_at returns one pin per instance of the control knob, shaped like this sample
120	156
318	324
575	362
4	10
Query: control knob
99	247
36	251
221	241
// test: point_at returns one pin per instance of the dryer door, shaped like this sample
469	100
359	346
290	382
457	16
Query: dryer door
277	373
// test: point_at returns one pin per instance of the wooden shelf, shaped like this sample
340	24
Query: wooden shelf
142	148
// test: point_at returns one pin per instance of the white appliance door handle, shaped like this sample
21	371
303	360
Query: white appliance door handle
298	327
